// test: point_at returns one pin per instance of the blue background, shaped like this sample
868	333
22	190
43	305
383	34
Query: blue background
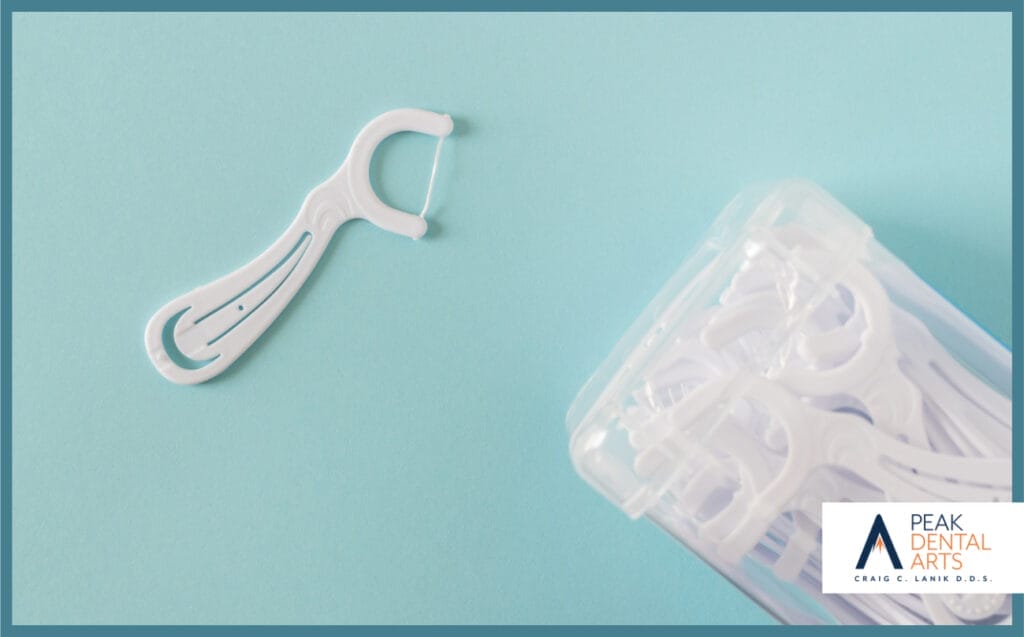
393	449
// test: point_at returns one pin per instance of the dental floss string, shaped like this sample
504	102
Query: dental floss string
433	174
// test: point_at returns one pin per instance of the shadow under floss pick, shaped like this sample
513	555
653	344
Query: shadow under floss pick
793	361
199	334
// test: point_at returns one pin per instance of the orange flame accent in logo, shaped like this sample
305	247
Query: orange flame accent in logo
879	545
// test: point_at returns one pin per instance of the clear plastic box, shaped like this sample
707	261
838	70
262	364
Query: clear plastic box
791	296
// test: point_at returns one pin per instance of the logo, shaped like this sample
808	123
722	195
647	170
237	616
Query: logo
878	538
922	547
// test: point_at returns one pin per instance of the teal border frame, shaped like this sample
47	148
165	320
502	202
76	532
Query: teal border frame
7	9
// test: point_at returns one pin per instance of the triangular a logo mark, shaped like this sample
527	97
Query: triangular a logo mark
878	538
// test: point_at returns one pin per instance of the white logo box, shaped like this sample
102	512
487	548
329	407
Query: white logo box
941	547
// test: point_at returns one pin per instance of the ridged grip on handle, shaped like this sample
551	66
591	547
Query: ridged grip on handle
199	334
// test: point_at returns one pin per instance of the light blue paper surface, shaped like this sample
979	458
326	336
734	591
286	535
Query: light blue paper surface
393	449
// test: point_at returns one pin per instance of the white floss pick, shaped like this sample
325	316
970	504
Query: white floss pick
794	361
199	334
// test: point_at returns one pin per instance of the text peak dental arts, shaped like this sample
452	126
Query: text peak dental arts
937	543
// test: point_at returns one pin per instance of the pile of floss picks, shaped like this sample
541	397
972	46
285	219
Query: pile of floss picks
792	361
199	334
